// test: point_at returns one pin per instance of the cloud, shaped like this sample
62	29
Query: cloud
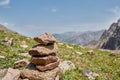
116	10
4	3
54	10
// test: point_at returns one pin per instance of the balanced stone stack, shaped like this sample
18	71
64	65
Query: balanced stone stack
44	54
44	62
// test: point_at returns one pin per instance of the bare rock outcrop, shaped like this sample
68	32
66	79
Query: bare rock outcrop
11	74
32	73
110	39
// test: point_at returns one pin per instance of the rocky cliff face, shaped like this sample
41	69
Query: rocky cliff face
110	39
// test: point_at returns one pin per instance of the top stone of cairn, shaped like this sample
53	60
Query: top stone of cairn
45	39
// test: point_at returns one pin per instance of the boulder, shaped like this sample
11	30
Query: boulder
79	53
23	79
90	52
66	65
41	50
24	55
32	74
21	63
44	60
91	75
2	57
48	66
45	39
114	52
70	47
60	43
2	73
24	46
7	41
12	74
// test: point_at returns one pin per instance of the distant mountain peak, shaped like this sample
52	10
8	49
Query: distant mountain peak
110	39
79	38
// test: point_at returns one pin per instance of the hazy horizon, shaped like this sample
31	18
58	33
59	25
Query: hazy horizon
35	17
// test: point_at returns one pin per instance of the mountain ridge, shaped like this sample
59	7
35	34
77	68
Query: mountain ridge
110	39
4	28
100	62
79	38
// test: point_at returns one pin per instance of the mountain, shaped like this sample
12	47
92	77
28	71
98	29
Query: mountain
79	38
3	28
65	37
100	62
110	39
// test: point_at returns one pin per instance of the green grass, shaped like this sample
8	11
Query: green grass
101	63
11	52
107	67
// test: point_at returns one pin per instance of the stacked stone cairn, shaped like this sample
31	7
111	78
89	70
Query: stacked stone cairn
44	62
44	54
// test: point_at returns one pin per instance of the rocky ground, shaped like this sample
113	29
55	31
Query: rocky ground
77	62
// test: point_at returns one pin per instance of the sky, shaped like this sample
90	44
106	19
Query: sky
33	17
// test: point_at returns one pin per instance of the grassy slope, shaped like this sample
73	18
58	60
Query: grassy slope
11	52
107	67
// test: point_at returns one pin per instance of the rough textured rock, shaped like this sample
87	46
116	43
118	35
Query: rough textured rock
45	39
24	55
44	60
110	39
114	52
70	47
91	75
7	41
2	73
32	74
21	63
24	46
23	79
66	65
79	53
2	57
41	50
12	74
48	66
90	52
